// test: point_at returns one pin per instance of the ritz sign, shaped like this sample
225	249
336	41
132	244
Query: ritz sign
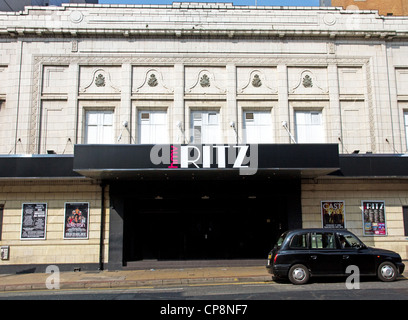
242	157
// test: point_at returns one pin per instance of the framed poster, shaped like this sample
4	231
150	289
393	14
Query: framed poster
374	223
76	220
333	214
33	221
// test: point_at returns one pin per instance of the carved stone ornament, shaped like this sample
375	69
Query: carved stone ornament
307	81
100	80
152	82
308	84
205	81
256	81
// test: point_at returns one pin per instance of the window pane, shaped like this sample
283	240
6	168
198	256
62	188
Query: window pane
213	119
108	119
299	241
204	127
258	127
309	127
315	118
348	240
92	118
99	127
153	127
323	240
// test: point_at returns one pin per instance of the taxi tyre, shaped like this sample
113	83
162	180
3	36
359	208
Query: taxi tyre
387	271
299	274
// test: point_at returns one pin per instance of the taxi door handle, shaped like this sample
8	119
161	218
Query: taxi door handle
345	257
313	257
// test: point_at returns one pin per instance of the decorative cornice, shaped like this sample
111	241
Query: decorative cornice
198	20
367	35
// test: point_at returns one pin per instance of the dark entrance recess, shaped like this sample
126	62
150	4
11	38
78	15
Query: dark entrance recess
187	220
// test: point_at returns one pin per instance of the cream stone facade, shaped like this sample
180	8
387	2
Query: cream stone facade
352	192
54	249
126	74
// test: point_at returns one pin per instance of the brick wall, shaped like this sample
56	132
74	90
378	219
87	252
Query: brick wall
396	7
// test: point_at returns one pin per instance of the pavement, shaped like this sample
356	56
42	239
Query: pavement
132	278
135	278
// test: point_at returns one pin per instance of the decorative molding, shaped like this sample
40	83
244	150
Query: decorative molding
153	83
370	103
76	16
257	82
100	78
161	59
329	19
205	82
308	84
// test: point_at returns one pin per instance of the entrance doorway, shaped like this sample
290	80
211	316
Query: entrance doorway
205	220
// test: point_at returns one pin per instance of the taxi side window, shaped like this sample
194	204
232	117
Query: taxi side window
299	241
323	240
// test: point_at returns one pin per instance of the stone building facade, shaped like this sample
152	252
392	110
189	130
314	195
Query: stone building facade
88	91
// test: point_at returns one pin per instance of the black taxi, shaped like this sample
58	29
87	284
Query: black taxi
304	253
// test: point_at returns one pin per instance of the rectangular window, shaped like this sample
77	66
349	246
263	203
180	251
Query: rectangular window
153	127
405	218
406	128
309	127
204	127
99	127
257	127
1	220
299	241
324	240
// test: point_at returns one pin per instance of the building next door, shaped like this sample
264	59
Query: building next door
203	220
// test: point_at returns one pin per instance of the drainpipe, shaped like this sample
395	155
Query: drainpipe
102	227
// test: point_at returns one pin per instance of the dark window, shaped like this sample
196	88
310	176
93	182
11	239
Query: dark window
405	215
323	240
299	241
1	219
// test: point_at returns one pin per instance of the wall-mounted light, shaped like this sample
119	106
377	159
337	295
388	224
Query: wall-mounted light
125	125
285	125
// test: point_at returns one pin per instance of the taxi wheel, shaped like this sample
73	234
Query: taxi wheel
387	271
299	274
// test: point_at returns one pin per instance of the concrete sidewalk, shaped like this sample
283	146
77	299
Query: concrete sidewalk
137	278
133	278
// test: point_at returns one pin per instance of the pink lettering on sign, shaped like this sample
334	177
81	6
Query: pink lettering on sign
173	157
